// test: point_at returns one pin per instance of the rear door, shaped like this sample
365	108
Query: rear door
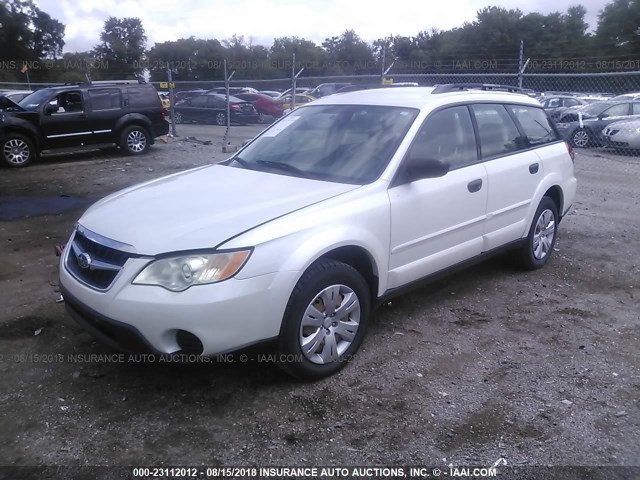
104	110
514	170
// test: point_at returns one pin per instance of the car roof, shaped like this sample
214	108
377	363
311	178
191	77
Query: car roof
421	97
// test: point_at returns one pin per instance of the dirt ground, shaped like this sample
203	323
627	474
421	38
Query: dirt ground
537	368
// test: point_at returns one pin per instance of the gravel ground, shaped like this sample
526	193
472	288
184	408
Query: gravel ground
538	368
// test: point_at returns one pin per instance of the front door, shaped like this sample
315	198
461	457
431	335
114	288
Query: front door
438	222
64	121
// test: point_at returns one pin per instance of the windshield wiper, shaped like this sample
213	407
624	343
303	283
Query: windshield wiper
242	162
282	166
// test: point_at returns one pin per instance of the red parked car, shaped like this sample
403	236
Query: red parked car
264	104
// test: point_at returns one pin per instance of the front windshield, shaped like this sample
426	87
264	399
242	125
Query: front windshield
31	102
340	143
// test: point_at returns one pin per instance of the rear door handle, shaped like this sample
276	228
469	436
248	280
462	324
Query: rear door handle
475	186
534	168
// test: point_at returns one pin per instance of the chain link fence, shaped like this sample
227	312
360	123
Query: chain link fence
573	100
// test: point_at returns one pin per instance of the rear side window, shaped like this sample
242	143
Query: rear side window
144	97
105	99
447	135
200	101
535	124
497	131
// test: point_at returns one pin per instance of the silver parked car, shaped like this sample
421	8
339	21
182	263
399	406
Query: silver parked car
622	135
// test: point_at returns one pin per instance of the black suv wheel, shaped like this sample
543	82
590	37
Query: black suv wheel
17	151
135	140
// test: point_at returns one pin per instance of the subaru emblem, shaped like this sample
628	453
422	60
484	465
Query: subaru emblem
84	260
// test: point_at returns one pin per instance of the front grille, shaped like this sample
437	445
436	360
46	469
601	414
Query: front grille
101	263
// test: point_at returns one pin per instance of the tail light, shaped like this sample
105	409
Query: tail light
572	153
163	113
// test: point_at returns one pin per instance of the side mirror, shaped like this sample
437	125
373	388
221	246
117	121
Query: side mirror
246	142
418	168
50	109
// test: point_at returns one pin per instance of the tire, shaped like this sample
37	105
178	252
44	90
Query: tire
221	119
539	244
17	151
178	117
581	138
262	118
135	140
324	344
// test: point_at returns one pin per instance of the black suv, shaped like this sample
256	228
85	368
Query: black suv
127	113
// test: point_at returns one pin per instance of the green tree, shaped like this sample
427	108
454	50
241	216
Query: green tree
618	31
123	48
349	54
27	34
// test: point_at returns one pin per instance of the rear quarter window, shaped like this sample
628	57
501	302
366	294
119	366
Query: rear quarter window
143	97
535	124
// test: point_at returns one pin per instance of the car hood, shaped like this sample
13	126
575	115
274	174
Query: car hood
201	208
625	125
8	105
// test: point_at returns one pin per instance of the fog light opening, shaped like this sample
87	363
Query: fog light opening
189	343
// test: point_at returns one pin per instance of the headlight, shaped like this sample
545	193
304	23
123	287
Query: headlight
179	273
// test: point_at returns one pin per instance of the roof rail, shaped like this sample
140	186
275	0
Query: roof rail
118	82
107	82
455	87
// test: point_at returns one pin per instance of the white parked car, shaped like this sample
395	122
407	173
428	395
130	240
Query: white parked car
331	210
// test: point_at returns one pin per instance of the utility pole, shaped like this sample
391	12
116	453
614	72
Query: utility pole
226	87
520	64
172	101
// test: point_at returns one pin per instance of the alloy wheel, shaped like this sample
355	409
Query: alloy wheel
16	151
543	234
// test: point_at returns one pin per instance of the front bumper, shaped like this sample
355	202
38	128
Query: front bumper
224	316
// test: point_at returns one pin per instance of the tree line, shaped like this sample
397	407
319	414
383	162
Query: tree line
32	43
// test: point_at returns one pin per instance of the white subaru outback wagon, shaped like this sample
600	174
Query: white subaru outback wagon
331	210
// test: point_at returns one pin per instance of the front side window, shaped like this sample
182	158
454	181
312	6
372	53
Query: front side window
570	102
339	143
69	102
498	134
535	123
553	103
447	135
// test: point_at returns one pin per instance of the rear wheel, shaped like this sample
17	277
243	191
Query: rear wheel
325	320
542	236
221	119
178	117
17	151
135	140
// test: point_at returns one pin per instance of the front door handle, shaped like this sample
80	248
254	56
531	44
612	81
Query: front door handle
533	169
475	186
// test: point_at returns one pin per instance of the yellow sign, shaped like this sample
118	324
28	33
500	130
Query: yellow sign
167	85
387	81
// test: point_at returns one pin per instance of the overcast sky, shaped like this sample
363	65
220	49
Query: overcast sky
262	20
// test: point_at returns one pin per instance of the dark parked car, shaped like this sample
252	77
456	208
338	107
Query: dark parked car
264	105
556	105
212	108
581	126
183	94
126	113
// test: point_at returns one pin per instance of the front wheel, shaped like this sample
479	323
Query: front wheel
135	140
17	151
325	320
581	138
539	244
178	117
